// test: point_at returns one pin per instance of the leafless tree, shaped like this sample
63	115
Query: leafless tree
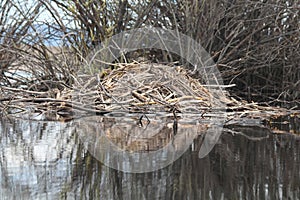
255	43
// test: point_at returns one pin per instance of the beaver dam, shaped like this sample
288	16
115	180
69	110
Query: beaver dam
141	88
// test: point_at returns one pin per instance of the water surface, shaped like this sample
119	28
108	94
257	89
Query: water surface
48	160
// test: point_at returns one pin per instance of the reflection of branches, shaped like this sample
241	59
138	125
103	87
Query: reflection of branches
233	132
49	147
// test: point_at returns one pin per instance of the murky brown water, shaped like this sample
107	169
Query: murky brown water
48	160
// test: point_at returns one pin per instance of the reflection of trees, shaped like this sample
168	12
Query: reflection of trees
35	157
236	168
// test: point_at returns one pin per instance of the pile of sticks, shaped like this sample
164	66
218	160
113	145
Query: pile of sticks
144	88
128	88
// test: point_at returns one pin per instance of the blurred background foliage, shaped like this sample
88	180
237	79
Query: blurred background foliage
255	43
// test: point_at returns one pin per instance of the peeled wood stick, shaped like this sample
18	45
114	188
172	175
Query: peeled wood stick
140	97
21	90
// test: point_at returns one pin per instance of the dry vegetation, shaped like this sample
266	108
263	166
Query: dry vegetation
256	45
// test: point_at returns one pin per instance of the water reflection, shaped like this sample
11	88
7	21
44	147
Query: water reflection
131	144
40	160
36	158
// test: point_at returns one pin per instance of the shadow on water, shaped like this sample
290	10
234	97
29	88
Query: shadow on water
40	160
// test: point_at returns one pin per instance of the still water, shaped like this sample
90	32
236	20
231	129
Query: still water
50	160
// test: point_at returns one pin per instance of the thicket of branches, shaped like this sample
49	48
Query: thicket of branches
255	43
